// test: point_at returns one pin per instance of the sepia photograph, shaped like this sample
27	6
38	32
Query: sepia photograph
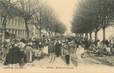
57	36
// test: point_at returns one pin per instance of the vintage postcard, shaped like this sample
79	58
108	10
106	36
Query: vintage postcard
57	36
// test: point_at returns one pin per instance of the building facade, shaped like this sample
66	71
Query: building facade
15	26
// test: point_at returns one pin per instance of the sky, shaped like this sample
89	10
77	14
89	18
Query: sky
64	9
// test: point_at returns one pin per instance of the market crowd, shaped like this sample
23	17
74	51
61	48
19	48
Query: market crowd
20	52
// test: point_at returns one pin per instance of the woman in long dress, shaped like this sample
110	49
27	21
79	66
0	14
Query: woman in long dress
29	53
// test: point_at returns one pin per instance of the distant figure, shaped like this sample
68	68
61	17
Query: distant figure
51	51
67	54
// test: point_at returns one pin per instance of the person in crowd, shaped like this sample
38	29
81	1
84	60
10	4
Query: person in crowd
92	48
67	53
45	48
51	51
80	52
100	48
62	49
36	54
58	46
40	49
15	56
108	50
37	50
29	52
22	43
12	57
112	47
72	48
5	48
21	54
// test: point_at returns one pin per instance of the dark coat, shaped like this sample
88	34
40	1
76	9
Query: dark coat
51	48
14	56
58	49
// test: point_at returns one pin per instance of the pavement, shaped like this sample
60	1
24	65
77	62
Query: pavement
59	66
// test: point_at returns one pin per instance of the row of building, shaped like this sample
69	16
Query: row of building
14	26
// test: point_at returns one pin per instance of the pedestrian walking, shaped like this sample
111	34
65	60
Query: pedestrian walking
58	46
51	51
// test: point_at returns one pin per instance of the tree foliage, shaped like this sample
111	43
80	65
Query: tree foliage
8	9
92	15
47	19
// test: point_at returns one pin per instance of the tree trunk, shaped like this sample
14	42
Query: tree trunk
40	32
96	36
27	30
3	36
82	34
104	34
86	36
4	28
90	35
